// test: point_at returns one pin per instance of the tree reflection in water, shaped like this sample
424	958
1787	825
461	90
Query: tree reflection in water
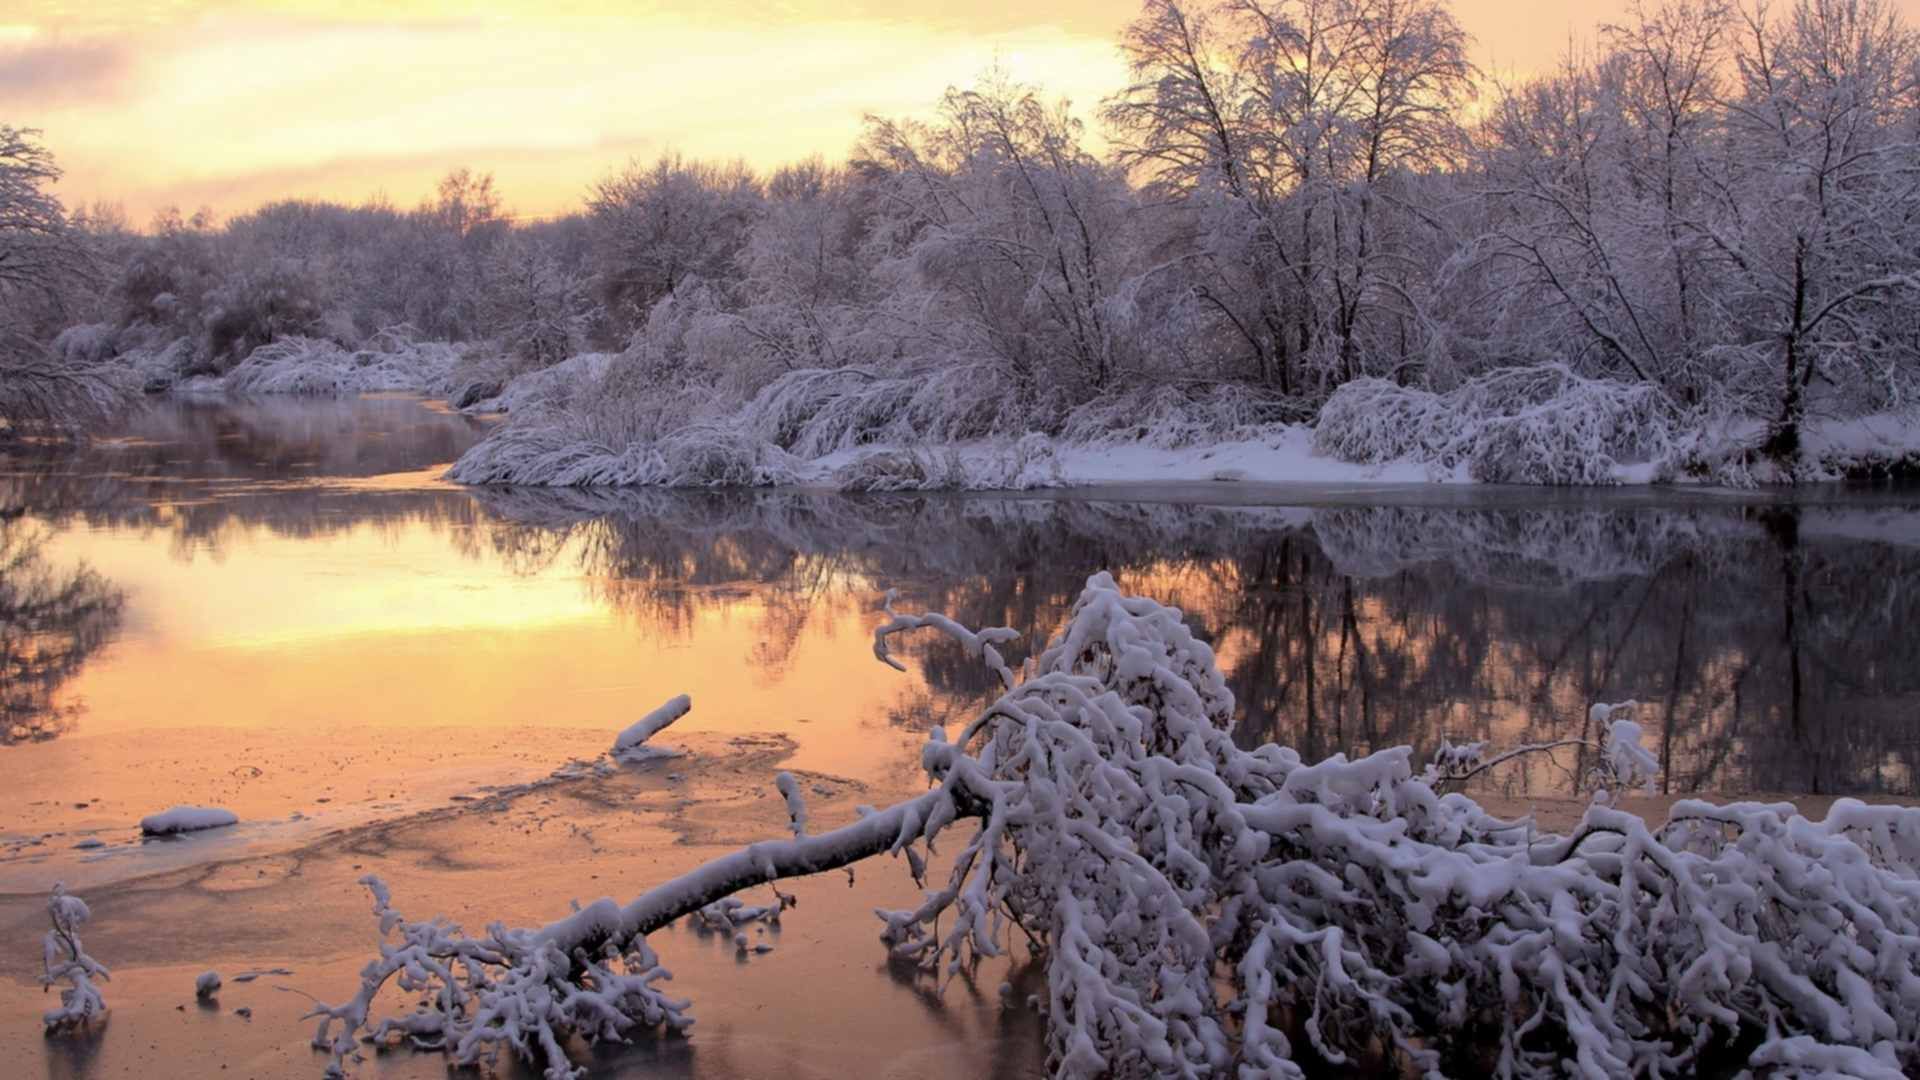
1766	641
52	621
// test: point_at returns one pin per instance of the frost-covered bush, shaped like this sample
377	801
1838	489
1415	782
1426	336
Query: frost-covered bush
86	343
281	299
636	420
1021	466
53	392
717	455
64	958
302	365
1540	425
699	456
1205	910
554	387
1170	417
818	412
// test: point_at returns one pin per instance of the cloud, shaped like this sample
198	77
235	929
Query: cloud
224	109
37	73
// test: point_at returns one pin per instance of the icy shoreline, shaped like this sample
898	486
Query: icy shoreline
544	458
1534	426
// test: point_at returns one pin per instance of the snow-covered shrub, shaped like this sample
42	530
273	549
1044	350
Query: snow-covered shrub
64	958
302	365
1539	425
818	412
157	366
56	393
263	305
1020	466
86	343
1205	910
554	387
1170	417
700	456
718	455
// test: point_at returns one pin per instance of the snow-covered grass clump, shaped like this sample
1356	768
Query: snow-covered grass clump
65	959
1536	425
819	412
301	365
1203	910
186	819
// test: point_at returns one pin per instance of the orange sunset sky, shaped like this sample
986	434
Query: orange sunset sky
197	103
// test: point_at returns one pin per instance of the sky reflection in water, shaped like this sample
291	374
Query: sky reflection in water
277	607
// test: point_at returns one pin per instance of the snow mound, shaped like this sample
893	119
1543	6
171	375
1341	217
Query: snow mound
186	819
1533	425
301	365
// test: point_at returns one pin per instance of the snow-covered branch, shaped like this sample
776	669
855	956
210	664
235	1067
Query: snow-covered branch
64	959
1202	908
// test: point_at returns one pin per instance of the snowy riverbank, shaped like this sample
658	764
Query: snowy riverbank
592	421
1284	454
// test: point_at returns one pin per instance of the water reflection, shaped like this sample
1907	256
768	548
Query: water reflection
1765	636
53	619
1765	640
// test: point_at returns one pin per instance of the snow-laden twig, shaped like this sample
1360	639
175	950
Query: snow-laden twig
1203	909
796	805
633	741
980	645
63	957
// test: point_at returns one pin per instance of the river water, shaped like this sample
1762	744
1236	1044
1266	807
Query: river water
277	607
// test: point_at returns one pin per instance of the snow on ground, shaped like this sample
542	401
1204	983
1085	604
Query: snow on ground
540	456
186	819
1881	436
1287	456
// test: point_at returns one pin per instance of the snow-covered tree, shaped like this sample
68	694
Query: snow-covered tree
656	226
1204	909
40	253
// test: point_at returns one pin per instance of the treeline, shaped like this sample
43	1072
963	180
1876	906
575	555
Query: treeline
1716	200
